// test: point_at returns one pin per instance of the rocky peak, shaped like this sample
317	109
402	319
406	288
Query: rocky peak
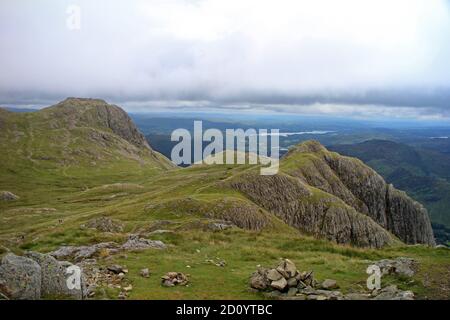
362	188
83	112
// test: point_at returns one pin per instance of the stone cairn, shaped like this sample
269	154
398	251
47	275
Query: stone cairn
285	282
171	279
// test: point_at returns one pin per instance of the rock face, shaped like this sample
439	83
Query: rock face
310	210
8	196
338	198
37	276
54	277
361	188
97	113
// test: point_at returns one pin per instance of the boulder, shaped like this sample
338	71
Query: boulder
287	269
329	284
259	280
145	273
115	268
400	266
54	277
292	282
20	278
279	284
292	292
273	275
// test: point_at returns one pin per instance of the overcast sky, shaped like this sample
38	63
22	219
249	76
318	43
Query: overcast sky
347	57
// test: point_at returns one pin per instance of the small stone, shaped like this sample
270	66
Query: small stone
292	292
115	268
301	285
357	296
329	284
258	281
279	284
167	283
129	288
273	275
292	282
145	273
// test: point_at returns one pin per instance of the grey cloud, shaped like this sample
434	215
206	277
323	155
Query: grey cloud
240	55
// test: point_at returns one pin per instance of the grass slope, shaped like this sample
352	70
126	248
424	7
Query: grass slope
56	198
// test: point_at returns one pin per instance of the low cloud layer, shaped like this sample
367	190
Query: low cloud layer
351	57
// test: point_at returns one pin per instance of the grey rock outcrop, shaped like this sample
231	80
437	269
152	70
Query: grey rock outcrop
54	277
36	276
20	278
310	210
135	242
400	266
104	224
361	189
338	198
80	253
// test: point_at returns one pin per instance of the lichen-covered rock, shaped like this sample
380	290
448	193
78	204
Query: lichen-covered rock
20	278
54	277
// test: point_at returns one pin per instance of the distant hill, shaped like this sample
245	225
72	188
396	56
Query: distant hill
74	137
423	173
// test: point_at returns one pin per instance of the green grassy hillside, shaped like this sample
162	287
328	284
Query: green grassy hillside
65	176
